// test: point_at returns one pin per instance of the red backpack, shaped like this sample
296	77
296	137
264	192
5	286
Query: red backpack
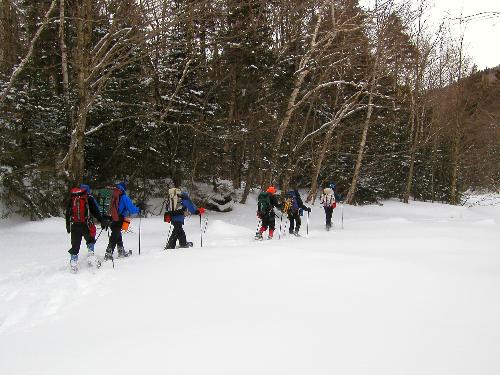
115	202
79	205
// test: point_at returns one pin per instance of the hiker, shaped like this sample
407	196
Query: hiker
292	207
120	207
179	206
81	209
266	202
329	200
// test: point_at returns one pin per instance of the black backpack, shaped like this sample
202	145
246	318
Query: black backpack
264	203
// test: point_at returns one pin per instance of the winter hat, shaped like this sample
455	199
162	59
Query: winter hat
86	188
122	186
271	189
332	185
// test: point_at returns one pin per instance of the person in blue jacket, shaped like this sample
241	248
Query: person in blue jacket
121	206
184	207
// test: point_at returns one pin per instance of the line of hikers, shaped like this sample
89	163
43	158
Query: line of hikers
112	207
293	207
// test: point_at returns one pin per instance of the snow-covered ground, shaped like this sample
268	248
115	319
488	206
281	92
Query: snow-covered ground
403	289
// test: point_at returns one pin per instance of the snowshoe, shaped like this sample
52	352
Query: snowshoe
74	263
258	236
122	253
92	260
188	244
108	256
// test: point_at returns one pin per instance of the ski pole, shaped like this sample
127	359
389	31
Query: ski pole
258	226
342	214
168	236
205	225
99	235
140	218
201	234
307	223
281	223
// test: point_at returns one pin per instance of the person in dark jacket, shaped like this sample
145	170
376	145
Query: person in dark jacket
180	206
121	207
266	203
79	222
295	205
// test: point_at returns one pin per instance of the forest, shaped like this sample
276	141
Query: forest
240	93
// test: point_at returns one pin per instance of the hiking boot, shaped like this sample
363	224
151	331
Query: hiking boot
258	236
296	233
90	247
122	253
271	233
186	245
109	254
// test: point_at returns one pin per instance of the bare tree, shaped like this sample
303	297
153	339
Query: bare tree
31	48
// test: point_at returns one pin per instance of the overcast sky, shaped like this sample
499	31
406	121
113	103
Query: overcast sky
482	36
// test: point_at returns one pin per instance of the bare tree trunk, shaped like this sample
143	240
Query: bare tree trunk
74	162
23	63
455	152
294	151
251	175
64	54
291	106
362	144
319	163
8	36
413	146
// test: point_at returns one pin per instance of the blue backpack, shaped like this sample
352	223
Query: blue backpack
291	202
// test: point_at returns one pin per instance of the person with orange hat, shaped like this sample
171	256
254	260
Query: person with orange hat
266	202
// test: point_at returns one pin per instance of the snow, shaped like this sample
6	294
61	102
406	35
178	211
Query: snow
402	289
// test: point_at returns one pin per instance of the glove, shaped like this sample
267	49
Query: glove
105	223
197	212
68	228
201	211
308	209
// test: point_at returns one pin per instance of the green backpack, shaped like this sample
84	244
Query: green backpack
103	197
264	203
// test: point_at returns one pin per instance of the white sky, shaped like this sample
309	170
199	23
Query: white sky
482	37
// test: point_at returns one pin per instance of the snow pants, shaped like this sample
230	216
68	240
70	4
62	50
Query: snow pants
329	213
177	234
79	230
268	221
295	222
116	236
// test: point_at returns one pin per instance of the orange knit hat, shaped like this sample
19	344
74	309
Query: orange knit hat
271	190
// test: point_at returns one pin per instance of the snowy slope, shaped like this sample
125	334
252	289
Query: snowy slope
403	289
